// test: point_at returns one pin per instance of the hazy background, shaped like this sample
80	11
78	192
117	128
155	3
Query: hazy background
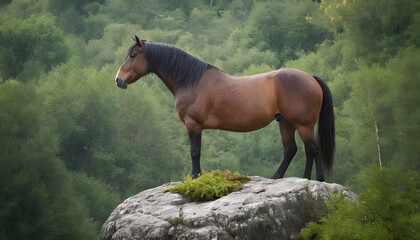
73	145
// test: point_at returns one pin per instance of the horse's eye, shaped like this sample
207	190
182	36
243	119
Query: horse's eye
132	56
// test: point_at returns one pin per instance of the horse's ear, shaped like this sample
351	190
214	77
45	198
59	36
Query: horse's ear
139	42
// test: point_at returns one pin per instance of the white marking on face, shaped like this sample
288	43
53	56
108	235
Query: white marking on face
116	76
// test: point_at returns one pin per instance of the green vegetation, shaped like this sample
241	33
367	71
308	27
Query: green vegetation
389	209
73	145
209	186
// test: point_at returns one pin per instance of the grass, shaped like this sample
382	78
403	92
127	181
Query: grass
209	186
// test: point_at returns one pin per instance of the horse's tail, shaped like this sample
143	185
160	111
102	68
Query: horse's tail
326	128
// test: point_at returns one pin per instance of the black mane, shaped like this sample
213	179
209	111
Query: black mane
182	68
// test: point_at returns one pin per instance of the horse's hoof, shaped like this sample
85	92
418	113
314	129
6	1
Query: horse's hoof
275	177
321	180
195	175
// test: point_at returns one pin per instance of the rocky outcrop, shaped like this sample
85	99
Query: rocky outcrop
263	209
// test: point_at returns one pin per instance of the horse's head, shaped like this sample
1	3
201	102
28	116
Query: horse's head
134	66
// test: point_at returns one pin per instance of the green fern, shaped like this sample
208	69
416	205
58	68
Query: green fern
209	186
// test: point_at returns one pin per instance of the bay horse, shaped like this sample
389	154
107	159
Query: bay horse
208	98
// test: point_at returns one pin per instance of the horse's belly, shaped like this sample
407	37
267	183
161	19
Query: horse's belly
241	127
239	119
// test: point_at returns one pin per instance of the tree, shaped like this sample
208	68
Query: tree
36	200
30	47
282	27
404	92
374	30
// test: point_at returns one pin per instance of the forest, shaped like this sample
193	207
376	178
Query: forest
73	145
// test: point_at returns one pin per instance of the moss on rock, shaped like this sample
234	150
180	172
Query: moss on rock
209	186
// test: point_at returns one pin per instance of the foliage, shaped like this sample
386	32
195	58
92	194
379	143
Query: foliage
30	47
36	199
98	197
209	186
280	26
389	209
72	145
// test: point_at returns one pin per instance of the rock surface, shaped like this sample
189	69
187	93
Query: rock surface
263	209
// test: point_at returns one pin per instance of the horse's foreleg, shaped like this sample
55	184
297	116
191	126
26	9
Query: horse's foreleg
195	143
287	132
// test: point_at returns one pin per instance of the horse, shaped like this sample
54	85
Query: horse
208	98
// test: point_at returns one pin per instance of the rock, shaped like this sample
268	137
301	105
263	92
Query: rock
263	209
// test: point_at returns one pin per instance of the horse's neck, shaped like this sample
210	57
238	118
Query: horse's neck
168	83
213	74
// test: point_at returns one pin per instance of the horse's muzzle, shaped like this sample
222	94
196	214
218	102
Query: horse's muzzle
121	83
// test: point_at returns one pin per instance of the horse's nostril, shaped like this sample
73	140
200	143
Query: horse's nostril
116	79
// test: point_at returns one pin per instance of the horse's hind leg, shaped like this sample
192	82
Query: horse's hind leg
319	172
287	132
311	152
